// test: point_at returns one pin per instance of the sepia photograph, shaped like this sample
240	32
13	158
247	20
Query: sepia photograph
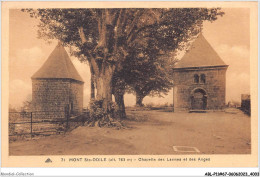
129	81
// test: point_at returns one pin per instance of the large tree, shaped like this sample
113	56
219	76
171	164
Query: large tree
118	89
150	75
107	37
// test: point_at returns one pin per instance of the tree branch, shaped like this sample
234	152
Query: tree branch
117	29
94	66
131	28
82	35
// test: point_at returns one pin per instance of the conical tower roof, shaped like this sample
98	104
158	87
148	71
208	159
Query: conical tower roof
58	66
200	54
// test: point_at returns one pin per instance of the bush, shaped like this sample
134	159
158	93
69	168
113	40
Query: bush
98	115
96	112
165	105
149	105
152	105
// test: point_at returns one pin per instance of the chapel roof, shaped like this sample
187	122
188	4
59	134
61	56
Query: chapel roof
58	66
200	54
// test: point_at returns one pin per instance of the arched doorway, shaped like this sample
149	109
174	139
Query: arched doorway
198	99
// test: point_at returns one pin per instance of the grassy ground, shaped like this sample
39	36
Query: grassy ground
150	132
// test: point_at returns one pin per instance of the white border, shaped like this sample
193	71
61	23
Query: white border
123	171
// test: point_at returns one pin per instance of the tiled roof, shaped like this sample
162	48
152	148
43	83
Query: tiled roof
200	54
58	65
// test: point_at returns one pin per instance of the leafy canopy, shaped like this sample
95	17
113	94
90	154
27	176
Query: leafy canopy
112	35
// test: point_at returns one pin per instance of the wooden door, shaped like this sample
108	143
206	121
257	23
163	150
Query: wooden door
198	101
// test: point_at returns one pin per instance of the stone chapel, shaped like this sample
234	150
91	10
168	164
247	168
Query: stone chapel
55	85
199	79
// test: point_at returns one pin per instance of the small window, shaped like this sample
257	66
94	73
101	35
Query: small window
202	78
196	78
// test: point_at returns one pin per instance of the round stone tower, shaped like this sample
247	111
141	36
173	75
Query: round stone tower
57	85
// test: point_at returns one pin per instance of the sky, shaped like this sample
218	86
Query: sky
229	36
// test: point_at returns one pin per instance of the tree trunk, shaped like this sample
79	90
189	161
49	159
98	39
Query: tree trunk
120	111
104	88
92	87
92	80
139	100
119	86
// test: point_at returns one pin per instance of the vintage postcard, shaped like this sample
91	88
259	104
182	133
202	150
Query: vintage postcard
129	84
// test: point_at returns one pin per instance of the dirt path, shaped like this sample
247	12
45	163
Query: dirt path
210	133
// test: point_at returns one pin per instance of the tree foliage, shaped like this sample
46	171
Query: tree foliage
150	76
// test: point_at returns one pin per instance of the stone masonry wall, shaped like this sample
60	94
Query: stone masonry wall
76	96
49	97
214	86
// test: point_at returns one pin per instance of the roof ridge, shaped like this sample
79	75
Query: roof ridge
69	63
62	53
